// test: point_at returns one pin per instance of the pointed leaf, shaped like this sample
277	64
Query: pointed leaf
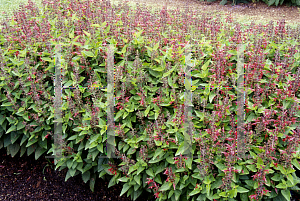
12	128
157	152
86	33
296	163
165	186
287	194
242	190
88	53
13	149
86	176
204	67
195	191
124	189
147	110
180	149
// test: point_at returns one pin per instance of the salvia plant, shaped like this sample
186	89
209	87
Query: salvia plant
150	61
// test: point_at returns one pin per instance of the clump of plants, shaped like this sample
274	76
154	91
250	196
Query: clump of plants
157	59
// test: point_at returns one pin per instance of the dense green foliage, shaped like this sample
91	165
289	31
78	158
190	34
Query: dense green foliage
150	86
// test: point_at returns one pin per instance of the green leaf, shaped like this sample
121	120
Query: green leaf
158	179
77	44
281	185
132	168
87	167
171	192
157	152
92	183
296	163
282	170
78	129
147	110
250	183
243	197
251	117
156	46
170	160
217	183
88	53
7	104
86	176
39	151
149	48
242	190
20	126
188	163
46	59
287	194
2	119
208	189
13	149
69	163
223	2
71	34
195	191
165	186
14	137
137	178
253	154
94	138
15	74
12	128
276	177
136	194
211	96
180	170
180	149
124	189
86	33
290	178
204	67
123	179
150	173
125	114
169	72
17	63
221	166
72	137
177	194
252	168
72	172
140	169
200	115
119	114
112	182
209	179
261	110
259	162
31	142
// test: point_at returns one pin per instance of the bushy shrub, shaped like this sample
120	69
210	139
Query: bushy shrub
150	85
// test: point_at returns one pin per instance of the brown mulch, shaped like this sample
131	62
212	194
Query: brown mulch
22	178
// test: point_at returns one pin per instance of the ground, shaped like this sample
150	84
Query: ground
258	12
